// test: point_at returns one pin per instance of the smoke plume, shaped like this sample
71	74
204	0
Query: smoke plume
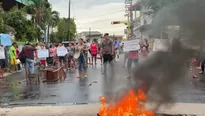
160	71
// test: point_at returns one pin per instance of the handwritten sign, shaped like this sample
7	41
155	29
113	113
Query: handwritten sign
131	45
161	45
62	51
2	53
43	53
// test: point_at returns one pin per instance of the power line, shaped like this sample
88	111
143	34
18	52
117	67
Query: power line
103	15
101	20
74	14
105	28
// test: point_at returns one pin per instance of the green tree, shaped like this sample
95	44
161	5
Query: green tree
24	28
1	19
36	8
52	20
63	29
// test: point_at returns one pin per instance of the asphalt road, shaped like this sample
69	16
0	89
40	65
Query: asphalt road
14	91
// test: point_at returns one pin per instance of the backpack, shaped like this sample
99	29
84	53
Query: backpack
22	58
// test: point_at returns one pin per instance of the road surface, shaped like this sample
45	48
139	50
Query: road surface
15	92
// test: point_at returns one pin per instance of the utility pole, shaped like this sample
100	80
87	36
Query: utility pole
69	20
129	14
131	22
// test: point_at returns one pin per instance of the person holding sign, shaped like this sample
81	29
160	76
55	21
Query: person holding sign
133	56
82	67
43	59
61	52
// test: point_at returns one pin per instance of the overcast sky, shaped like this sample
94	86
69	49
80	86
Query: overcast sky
96	14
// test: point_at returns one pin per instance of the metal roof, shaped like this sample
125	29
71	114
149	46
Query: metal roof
25	2
86	33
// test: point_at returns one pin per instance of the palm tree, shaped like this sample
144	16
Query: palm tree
55	18
52	20
37	9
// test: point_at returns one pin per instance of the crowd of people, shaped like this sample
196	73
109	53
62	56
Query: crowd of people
79	55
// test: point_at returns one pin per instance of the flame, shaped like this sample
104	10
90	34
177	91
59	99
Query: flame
130	105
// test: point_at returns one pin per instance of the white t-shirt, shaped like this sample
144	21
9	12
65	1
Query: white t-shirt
2	53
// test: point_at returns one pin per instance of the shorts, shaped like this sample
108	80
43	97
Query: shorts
30	65
13	61
43	62
3	63
117	52
107	58
62	58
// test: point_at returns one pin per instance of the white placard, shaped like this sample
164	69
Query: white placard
161	45
2	53
131	45
62	51
43	53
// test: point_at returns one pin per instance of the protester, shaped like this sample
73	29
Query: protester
82	67
132	59
100	52
42	60
117	48
144	46
107	51
71	60
2	61
62	59
94	51
17	58
12	52
87	53
29	51
52	53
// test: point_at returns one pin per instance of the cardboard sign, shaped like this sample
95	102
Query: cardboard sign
131	45
43	53
62	51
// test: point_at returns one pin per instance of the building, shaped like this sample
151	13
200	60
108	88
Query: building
85	35
141	20
118	37
9	4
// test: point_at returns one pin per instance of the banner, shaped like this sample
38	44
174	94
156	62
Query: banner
43	53
2	53
131	45
161	45
62	51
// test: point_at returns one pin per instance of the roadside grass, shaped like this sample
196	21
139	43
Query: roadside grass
24	42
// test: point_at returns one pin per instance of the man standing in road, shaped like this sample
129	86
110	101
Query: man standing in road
29	51
107	51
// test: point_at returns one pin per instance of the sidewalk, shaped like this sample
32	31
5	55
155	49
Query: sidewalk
92	110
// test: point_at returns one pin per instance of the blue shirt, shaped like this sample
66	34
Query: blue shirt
117	45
